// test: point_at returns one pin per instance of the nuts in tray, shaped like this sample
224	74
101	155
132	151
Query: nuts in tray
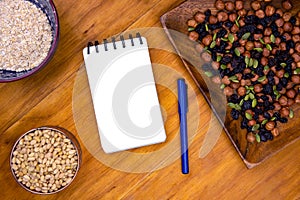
44	160
254	55
25	35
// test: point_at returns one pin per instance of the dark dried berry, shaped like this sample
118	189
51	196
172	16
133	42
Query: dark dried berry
200	28
244	123
206	67
247	105
293	20
267	115
234	114
228	24
263	138
268	89
221	33
283	120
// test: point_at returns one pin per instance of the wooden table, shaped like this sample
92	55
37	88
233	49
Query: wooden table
46	99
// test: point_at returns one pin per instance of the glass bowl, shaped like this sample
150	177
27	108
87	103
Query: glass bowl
56	153
47	6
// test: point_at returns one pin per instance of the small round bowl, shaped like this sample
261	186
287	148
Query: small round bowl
47	6
31	174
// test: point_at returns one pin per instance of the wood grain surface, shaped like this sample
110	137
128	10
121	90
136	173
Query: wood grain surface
46	98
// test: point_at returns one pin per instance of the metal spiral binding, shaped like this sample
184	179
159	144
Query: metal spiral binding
113	41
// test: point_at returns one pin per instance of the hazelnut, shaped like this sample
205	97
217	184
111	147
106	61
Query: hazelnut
206	57
297	99
213	19
270	10
291	93
216	79
215	65
228	91
264	61
192	23
193	35
251	122
287	26
295	79
296	30
242	22
280	12
220	5
283	100
242	12
268	31
290	102
275	132
249	45
287	5
279	22
199	17
222	16
226	80
258	88
284	112
234	28
297	47
241	91
270	125
282	46
256	36
251	137
239	4
255	5
260	14
229	6
296	38
287	16
296	57
280	73
207	40
277	106
232	17
266	52
287	36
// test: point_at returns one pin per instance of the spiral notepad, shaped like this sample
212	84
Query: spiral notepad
124	94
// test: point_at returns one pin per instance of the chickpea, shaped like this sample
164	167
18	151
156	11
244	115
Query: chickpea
283	101
241	91
222	16
284	111
275	132
192	23
249	45
199	17
239	4
229	6
287	26
260	14
267	40
270	10
232	17
220	5
287	16
270	125
255	5
279	22
287	5
193	35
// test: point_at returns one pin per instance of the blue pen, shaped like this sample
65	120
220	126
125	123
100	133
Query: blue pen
182	110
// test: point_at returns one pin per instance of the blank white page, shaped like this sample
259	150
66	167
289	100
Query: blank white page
124	95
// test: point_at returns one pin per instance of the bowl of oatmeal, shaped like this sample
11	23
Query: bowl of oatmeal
29	33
